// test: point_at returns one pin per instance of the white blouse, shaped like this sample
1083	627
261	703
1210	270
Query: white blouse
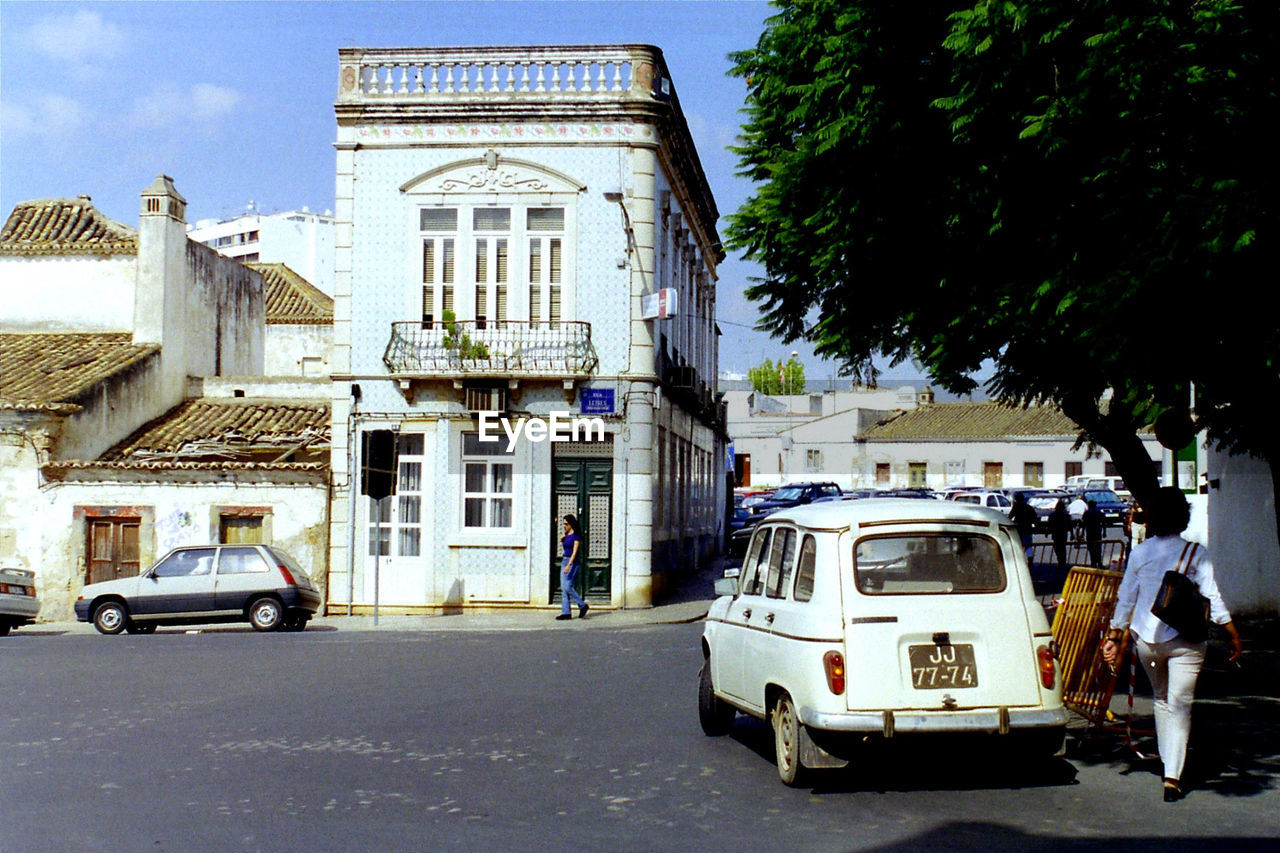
1142	578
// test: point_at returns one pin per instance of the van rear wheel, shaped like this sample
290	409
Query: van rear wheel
714	714
786	741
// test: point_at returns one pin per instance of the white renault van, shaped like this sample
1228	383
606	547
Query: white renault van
881	618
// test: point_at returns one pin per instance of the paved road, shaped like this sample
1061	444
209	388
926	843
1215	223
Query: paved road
517	740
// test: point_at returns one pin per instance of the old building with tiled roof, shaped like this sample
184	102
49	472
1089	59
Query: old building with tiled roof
134	413
64	226
299	336
972	445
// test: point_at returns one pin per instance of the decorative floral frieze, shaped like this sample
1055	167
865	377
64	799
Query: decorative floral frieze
452	133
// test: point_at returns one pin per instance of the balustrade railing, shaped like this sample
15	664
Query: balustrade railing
491	348
424	73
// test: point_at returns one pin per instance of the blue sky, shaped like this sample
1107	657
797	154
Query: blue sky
235	100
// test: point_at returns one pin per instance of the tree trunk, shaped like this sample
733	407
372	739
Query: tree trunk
1118	435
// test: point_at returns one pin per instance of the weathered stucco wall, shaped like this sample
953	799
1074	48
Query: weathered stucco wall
291	348
173	514
226	315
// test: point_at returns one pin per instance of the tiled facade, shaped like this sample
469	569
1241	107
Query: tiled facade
610	163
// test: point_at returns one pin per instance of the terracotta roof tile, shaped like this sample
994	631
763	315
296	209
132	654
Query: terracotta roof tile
229	429
291	298
64	226
42	368
974	422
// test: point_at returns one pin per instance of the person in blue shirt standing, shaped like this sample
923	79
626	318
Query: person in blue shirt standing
571	543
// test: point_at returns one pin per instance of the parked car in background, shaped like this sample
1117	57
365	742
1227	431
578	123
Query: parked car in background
795	494
18	602
1115	484
1043	503
258	584
859	621
918	492
1113	509
989	498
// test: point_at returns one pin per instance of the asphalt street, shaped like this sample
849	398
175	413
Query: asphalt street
553	738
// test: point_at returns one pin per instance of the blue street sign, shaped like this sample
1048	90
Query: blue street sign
596	401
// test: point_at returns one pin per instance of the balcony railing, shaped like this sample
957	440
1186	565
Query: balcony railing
509	73
514	349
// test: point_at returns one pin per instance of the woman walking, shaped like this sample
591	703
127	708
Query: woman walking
1171	662
571	543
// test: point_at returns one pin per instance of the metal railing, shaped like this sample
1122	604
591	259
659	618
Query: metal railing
492	348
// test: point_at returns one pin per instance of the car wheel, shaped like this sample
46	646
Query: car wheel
4	628
111	617
136	628
786	741
294	622
266	614
714	714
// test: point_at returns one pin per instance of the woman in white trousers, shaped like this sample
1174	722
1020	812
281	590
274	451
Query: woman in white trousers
1171	662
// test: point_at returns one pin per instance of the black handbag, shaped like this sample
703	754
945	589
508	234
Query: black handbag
1179	603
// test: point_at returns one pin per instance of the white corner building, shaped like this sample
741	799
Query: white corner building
524	236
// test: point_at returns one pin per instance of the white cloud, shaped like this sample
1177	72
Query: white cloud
81	37
49	116
167	104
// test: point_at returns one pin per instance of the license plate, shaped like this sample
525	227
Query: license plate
939	667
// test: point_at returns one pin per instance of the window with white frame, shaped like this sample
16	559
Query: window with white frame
511	261
813	460
487	483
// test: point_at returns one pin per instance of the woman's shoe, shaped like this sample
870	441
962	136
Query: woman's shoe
563	616
1172	793
582	611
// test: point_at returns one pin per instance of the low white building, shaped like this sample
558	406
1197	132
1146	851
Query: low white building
979	445
299	238
779	439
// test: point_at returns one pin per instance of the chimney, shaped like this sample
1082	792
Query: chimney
159	302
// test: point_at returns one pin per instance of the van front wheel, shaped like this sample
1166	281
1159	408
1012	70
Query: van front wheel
786	741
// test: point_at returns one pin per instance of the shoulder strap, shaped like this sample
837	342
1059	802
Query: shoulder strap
1188	554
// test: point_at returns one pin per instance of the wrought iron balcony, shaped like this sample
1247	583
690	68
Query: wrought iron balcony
513	349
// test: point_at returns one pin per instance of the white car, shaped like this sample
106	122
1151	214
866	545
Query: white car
258	584
998	501
876	619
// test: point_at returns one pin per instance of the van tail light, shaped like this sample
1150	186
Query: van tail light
288	575
1045	657
833	662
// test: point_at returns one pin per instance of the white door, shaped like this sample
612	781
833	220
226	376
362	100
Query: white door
396	542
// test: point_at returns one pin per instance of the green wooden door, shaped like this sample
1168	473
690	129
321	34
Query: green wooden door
584	487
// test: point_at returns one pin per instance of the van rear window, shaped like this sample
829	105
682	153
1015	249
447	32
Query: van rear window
941	563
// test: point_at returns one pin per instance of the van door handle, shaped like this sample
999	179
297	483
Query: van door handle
768	617
746	614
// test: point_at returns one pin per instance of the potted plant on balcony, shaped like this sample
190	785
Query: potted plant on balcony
460	346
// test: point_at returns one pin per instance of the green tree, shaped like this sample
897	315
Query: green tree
1081	192
780	378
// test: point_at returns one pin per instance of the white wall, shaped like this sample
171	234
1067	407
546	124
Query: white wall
68	293
289	344
1242	533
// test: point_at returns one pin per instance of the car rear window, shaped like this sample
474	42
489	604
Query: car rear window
936	563
241	561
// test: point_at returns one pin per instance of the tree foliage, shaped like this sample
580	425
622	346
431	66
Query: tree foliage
1083	193
780	378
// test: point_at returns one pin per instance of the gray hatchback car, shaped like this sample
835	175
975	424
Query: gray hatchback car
260	584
